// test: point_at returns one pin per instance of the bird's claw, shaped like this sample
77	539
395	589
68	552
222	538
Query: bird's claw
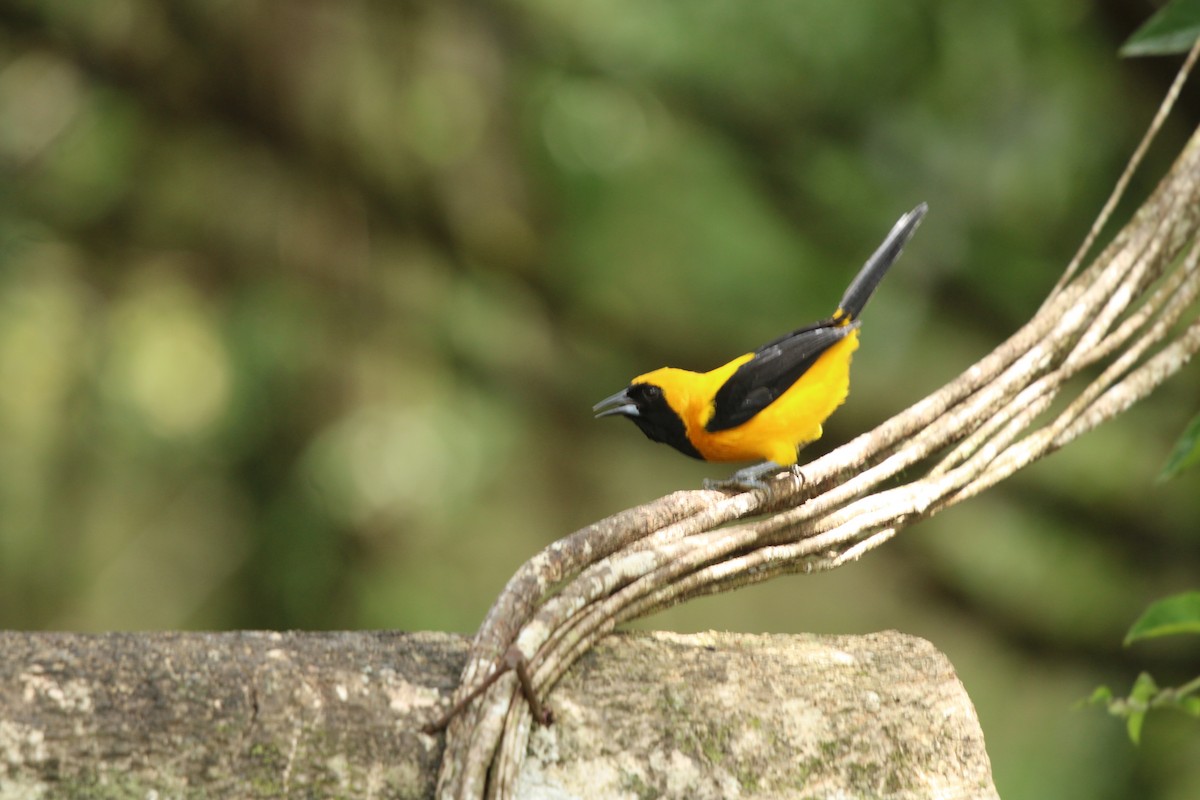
759	476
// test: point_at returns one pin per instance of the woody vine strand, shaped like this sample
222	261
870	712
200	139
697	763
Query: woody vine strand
1125	316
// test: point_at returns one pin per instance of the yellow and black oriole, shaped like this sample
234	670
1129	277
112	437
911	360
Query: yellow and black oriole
764	405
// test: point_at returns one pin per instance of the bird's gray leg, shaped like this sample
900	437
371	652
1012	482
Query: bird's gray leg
746	478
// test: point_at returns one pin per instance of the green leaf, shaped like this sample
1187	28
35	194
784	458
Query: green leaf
1179	613
1174	29
1186	453
1133	725
1190	705
1144	689
1101	696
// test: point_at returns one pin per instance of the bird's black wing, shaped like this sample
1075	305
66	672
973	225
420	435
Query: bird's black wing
771	372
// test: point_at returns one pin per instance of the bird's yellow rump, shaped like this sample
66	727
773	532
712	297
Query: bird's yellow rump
764	405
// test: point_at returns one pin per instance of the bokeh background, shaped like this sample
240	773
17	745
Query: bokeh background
303	307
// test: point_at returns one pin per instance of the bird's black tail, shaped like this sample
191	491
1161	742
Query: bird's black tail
868	278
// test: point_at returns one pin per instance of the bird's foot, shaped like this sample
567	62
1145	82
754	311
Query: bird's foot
747	478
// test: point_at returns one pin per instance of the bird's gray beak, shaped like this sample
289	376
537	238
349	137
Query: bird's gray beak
619	403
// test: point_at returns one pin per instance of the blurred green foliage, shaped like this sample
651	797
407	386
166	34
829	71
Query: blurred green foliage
1170	616
303	307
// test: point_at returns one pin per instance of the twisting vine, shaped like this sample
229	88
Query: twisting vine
1130	315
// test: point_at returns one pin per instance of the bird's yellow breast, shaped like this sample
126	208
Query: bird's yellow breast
778	431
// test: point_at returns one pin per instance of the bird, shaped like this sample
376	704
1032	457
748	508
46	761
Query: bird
763	406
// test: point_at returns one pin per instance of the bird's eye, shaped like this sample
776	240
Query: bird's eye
649	391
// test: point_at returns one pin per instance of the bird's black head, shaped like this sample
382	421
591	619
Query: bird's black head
647	405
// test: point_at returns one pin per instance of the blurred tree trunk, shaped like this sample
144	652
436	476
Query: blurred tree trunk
338	714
